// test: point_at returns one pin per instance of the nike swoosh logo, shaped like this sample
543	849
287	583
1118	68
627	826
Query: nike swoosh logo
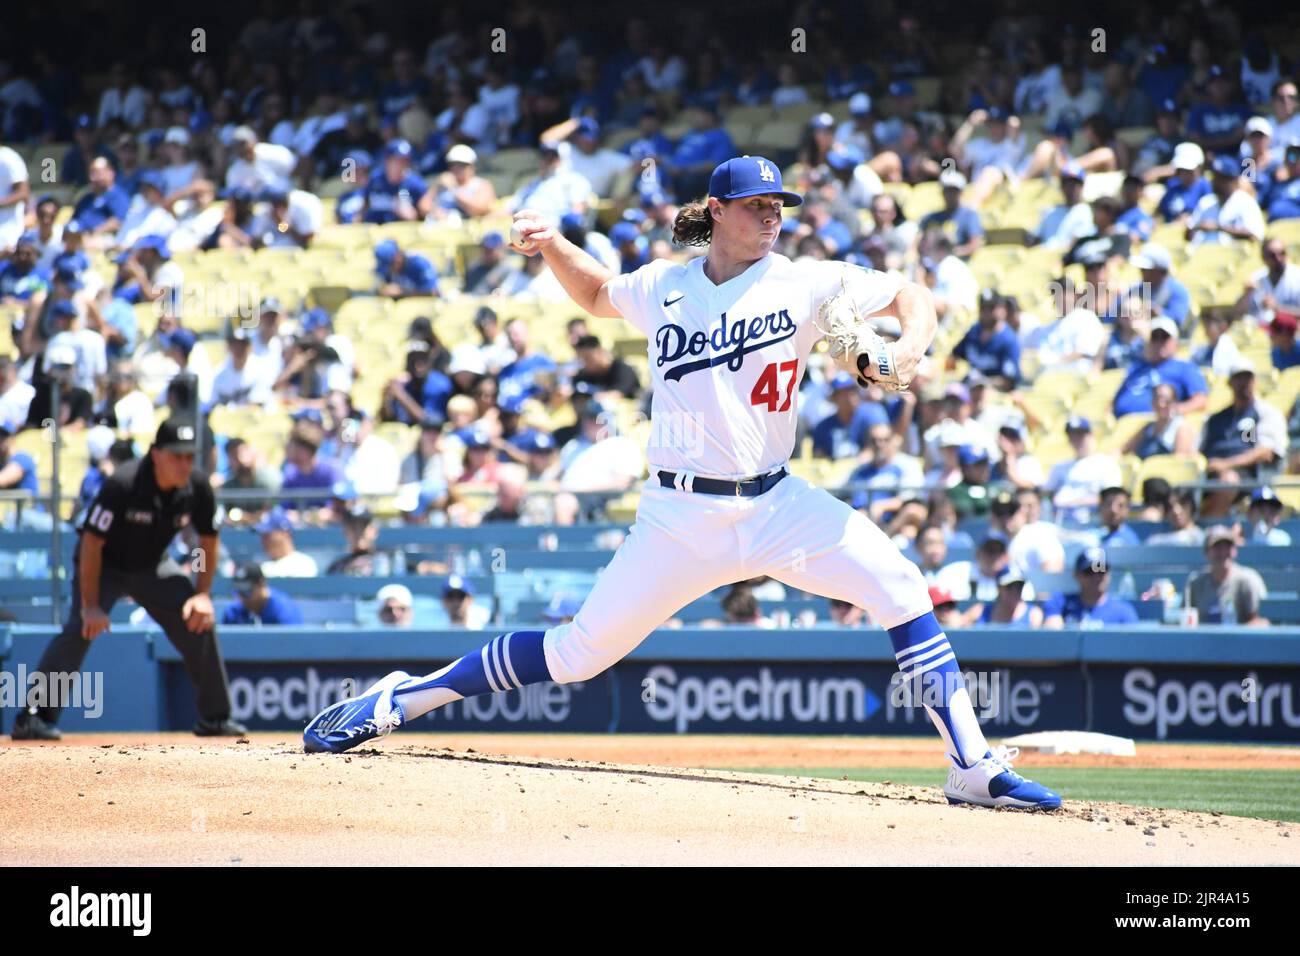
668	302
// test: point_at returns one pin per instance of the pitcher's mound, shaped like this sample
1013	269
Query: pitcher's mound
259	803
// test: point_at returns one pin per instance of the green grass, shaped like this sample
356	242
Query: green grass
1267	794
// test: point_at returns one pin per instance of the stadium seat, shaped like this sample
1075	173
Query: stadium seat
1177	471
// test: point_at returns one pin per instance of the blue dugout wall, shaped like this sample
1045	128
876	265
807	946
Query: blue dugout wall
1213	684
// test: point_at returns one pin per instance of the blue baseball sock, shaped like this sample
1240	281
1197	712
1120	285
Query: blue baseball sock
507	662
929	670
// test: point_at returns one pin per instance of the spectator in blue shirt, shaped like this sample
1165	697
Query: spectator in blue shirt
1133	221
991	346
1160	366
1169	297
1282	332
398	193
420	394
1282	201
259	603
1092	606
961	224
402	274
705	145
407	89
1187	186
17	469
1162	76
75	169
817	220
633	251
843	434
1112	511
1241	438
520	376
351	206
21	277
101	211
1216	125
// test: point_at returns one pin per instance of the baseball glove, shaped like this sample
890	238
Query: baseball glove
855	346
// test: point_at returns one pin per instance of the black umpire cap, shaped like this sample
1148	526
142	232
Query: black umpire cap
177	436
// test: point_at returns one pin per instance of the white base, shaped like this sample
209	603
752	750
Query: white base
1073	742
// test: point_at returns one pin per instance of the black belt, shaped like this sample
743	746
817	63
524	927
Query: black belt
744	488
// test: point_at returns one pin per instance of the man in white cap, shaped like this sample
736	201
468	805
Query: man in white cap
1274	287
258	167
1160	365
461	191
959	223
180	170
396	606
1187	186
1167	295
1239	440
1228	212
856	130
1226	592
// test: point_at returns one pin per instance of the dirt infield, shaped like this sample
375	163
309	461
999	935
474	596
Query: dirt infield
170	799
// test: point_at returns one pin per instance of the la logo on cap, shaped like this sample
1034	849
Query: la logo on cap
185	433
765	172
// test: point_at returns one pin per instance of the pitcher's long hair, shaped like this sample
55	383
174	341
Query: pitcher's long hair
694	224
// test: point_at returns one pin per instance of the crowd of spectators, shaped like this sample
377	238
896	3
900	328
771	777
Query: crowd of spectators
358	124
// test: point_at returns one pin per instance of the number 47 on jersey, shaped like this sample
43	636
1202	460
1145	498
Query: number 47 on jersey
767	391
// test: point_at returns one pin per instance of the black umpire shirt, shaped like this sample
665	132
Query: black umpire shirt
137	520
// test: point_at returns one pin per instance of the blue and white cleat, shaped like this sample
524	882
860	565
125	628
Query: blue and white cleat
350	723
992	783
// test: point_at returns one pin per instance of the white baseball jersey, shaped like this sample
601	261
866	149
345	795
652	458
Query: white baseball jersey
727	359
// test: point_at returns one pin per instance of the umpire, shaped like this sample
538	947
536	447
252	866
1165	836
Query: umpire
138	511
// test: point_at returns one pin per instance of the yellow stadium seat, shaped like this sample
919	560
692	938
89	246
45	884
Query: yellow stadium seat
1177	471
1112	438
1062	384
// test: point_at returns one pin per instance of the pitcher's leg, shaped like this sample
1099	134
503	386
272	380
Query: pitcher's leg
838	552
651	577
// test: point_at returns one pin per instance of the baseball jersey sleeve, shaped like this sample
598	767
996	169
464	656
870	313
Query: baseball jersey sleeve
205	505
870	290
636	294
107	508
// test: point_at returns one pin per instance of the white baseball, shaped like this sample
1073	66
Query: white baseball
517	228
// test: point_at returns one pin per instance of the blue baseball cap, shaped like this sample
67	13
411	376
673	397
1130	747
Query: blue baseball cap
182	339
361	159
72	228
749	176
1073	171
84	121
458	583
152	180
845	157
512	404
535	442
273	520
1265	495
1091	561
398	147
238	194
493	240
386	251
972	455
572	220
75	261
1169	107
841	381
308	414
476	437
1226	166
29	238
342	490
634	214
64	309
587	127
1077	423
995	113
155	242
623	232
822	121
273	194
561	606
69	276
316	318
903	88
